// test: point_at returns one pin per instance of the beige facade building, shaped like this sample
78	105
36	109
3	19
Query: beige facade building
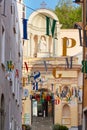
10	65
52	71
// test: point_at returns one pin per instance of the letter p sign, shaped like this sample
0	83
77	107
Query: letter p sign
67	43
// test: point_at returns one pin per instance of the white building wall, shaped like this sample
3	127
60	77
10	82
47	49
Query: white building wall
9	20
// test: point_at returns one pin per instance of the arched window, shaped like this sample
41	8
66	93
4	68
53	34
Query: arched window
66	111
66	120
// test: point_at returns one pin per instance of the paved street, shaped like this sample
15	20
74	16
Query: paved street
41	123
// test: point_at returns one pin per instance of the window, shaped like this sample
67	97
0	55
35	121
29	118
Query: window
12	9
3	45
13	86
13	17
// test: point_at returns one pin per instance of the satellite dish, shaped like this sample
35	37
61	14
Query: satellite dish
1	1
25	92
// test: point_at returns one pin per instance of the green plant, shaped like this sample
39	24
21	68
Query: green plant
28	127
59	127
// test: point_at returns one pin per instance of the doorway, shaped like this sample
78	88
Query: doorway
42	109
2	112
85	113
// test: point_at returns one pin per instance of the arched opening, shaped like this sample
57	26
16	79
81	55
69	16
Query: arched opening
42	105
42	101
66	115
2	112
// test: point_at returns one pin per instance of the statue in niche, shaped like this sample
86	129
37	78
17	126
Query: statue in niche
43	44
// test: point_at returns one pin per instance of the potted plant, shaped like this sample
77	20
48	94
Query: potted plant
28	127
59	127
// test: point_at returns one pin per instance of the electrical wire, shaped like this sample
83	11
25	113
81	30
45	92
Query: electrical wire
40	14
32	9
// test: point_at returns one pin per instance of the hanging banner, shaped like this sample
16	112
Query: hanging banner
69	63
35	86
50	26
45	65
57	101
9	66
52	87
24	81
24	28
28	79
26	66
17	73
36	75
84	66
25	92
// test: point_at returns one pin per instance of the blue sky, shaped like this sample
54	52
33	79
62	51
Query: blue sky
36	4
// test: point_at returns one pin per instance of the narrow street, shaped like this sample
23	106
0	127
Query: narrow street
41	123
43	65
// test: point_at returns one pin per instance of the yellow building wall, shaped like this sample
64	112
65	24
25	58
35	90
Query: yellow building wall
68	121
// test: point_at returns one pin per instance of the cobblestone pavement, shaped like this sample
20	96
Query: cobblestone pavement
42	123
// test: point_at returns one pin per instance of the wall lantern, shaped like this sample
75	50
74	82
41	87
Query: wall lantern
79	26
